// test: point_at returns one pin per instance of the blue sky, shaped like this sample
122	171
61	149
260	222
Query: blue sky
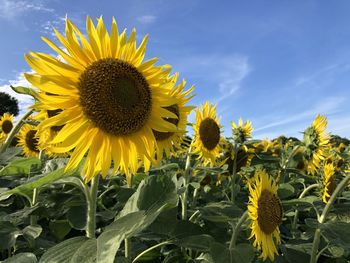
277	63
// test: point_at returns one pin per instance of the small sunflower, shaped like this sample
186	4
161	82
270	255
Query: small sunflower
167	141
111	100
28	141
6	125
207	138
316	141
242	132
265	212
329	183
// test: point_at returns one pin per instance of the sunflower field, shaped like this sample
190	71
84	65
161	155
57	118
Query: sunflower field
104	168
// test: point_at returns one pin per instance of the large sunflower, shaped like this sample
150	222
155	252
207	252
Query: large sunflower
329	182
111	100
207	138
242	132
265	212
166	141
317	143
6	125
28	141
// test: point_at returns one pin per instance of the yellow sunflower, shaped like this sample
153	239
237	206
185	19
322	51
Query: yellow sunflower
317	143
207	136
6	125
166	141
242	132
329	183
111	99
265	212
28	141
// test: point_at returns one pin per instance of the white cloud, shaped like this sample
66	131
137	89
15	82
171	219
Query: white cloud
11	9
24	101
146	19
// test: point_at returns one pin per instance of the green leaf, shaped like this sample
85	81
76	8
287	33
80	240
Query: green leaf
20	166
9	154
297	252
337	233
36	182
31	232
285	190
197	242
64	251
76	216
153	195
309	200
22	258
86	253
8	235
220	212
25	90
59	228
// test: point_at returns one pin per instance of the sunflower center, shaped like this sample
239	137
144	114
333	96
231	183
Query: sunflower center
269	212
115	96
161	136
31	141
52	113
7	126
209	133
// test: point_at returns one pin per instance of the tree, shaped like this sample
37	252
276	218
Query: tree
8	104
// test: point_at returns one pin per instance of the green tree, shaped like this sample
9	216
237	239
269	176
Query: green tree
8	104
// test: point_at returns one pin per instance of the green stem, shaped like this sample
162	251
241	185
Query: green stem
237	229
127	247
150	249
296	213
234	175
187	176
33	218
323	217
14	131
91	198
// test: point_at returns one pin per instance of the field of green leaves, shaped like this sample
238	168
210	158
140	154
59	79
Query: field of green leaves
100	169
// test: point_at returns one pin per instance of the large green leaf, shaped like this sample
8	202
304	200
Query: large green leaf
153	195
22	258
69	249
19	167
36	182
337	233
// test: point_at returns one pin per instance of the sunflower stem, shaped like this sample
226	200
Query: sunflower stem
296	213
186	182
234	175
127	248
323	217
33	218
237	229
14	131
91	196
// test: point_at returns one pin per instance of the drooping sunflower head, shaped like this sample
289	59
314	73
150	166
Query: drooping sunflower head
6	124
316	141
207	136
167	142
27	139
242	132
109	99
329	182
265	212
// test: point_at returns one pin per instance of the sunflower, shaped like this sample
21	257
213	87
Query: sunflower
6	125
207	137
242	132
329	183
167	141
111	99
316	141
28	141
265	212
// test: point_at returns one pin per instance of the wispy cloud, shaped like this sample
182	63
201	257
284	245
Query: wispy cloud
146	19
11	9
24	101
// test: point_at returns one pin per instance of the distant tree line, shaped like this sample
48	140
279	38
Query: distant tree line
8	104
